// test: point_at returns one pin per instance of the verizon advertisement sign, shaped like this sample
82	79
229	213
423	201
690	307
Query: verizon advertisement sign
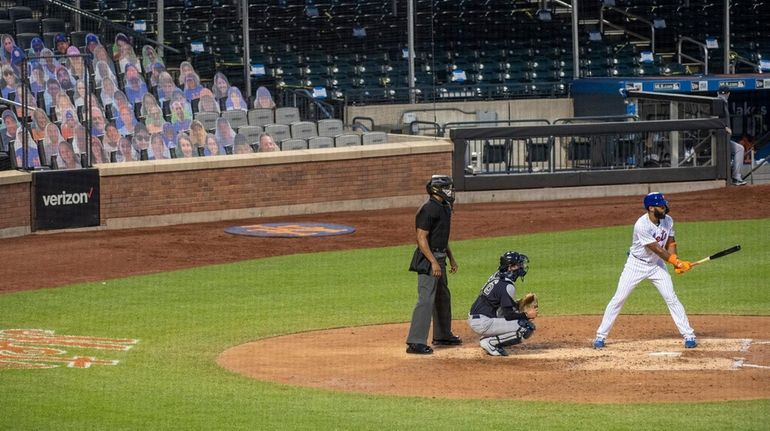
65	199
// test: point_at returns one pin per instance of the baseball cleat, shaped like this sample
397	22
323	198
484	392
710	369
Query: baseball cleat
418	349
598	343
690	343
453	340
492	350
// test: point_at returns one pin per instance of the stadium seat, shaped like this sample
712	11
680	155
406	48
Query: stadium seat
23	40
330	127
19	12
347	140
303	129
237	118
7	27
27	25
78	38
320	142
251	133
293	144
48	38
53	25
208	119
286	115
279	132
261	116
374	138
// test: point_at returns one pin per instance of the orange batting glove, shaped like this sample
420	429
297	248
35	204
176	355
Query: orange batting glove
681	266
686	265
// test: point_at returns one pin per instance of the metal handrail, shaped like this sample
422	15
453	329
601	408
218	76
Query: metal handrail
355	121
13	102
435	126
571	120
442	129
654	95
291	95
761	163
739	59
326	109
495	122
702	45
693	156
436	110
629	15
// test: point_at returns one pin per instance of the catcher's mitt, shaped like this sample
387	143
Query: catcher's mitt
528	305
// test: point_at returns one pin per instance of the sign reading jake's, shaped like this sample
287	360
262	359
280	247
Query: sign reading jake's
65	199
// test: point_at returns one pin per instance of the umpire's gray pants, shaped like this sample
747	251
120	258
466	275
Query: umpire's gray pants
433	301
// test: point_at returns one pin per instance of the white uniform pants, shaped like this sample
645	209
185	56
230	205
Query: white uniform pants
634	273
737	152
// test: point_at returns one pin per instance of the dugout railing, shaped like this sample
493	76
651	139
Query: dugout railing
606	153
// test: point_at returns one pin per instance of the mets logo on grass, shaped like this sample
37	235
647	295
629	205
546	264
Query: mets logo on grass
42	348
291	230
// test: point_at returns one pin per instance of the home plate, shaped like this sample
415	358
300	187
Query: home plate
666	354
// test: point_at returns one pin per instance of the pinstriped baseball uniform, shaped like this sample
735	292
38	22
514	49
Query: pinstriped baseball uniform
643	264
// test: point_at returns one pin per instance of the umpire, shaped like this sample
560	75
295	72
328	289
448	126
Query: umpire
432	223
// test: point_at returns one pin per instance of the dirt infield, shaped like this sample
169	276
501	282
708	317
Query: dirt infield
49	260
649	366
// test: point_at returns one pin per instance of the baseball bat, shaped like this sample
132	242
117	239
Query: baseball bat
718	254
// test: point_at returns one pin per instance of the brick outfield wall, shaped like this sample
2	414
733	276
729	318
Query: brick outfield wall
15	205
229	187
261	186
141	194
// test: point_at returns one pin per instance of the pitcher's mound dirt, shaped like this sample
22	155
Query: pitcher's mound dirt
647	363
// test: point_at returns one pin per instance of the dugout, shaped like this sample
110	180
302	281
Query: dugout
749	97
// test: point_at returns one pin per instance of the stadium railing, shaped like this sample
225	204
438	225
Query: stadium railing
605	153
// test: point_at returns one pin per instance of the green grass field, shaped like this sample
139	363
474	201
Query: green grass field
184	319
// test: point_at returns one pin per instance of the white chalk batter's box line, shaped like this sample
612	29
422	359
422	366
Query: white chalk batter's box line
741	362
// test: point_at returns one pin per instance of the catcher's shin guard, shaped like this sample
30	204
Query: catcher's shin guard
511	342
509	339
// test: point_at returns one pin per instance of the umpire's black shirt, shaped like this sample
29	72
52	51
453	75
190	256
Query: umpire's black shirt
435	217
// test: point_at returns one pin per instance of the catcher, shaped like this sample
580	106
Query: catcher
496	316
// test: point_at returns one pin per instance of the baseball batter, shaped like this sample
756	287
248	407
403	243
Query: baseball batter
653	245
495	315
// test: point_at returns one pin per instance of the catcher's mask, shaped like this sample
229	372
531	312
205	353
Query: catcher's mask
510	258
441	185
655	199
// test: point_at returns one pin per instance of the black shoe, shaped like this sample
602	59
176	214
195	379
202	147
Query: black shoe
454	340
418	349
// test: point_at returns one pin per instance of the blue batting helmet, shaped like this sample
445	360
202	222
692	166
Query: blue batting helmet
655	199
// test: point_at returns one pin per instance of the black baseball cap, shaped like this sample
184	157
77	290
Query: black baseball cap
723	89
